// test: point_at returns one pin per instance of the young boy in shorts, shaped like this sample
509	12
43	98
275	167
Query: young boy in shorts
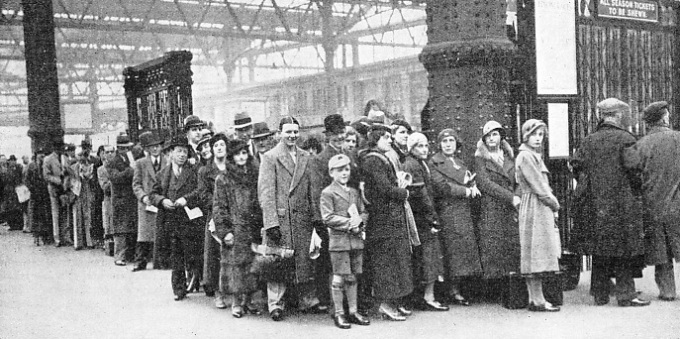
342	211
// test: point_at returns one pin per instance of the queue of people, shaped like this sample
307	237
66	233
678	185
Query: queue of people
379	219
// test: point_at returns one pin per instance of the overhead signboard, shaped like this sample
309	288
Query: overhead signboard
556	47
638	10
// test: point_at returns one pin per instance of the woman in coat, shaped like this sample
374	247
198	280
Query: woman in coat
427	257
206	186
454	186
497	228
387	236
538	234
39	208
238	220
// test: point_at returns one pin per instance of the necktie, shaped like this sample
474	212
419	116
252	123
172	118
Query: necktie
155	165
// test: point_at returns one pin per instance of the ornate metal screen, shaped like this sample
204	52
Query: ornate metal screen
158	93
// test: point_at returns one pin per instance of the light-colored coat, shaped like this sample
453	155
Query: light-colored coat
657	156
335	203
142	183
52	170
105	184
285	192
539	236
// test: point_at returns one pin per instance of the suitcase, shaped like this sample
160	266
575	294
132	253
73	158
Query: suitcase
514	292
553	287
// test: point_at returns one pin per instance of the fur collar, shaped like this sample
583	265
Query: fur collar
483	151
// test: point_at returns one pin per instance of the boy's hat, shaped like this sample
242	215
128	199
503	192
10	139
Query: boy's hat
337	161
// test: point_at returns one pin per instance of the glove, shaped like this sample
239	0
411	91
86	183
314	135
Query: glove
274	234
435	224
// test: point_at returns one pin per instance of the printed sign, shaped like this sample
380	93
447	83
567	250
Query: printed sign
639	10
556	47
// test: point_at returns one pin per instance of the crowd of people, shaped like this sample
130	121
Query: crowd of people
376	217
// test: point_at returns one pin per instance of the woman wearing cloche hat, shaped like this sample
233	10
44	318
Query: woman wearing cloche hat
539	239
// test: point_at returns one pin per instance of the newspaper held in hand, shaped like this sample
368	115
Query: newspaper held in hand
76	187
151	208
355	217
131	159
213	231
272	250
23	194
314	246
193	213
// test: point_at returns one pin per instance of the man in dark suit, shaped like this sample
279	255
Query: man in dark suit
173	194
142	184
124	208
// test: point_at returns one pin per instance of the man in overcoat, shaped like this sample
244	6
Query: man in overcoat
657	157
53	173
123	202
289	211
142	182
173	193
105	185
611	230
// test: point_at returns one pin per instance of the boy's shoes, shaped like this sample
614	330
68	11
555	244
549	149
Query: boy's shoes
358	319
341	322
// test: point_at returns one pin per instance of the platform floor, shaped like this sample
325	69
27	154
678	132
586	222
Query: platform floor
48	292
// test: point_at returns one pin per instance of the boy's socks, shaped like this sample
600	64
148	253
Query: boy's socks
351	292
336	294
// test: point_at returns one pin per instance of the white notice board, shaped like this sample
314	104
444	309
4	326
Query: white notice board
558	126
556	47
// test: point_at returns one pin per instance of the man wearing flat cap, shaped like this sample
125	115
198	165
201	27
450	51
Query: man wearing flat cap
656	157
608	223
193	126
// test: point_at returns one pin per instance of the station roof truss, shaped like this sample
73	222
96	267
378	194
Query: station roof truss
96	39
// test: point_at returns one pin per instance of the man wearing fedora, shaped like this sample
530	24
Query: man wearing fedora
262	140
193	126
181	236
656	157
612	231
124	208
142	182
53	172
243	126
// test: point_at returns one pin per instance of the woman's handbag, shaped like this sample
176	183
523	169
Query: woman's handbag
273	263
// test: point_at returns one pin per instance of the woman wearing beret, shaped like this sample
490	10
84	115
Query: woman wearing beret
497	228
538	234
428	264
238	220
454	186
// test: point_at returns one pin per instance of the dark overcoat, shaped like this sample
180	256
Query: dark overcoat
39	208
387	238
236	210
610	221
497	229
286	194
461	252
657	157
428	260
123	201
175	223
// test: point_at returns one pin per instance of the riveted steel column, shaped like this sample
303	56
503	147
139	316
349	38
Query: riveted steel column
44	117
467	57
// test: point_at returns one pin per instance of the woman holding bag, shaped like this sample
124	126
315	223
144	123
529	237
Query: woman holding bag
538	234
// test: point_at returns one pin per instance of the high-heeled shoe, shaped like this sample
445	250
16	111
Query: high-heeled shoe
434	306
252	309
404	311
459	300
237	311
543	308
391	315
